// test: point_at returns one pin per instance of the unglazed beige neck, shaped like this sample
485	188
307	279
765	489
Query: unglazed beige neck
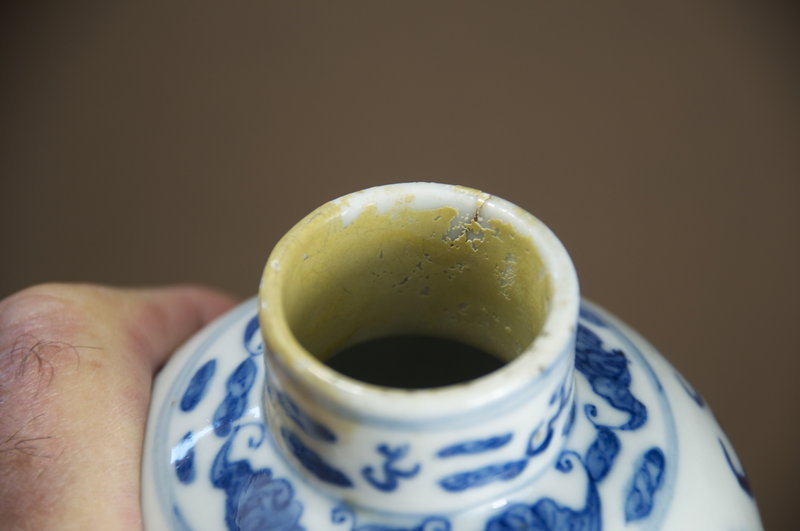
407	271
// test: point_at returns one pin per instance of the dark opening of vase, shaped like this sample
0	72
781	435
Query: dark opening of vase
413	361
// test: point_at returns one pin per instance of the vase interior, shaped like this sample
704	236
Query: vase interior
451	268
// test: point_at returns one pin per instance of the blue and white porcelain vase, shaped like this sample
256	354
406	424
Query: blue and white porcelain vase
583	425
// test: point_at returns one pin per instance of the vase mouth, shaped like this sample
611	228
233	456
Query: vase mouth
417	258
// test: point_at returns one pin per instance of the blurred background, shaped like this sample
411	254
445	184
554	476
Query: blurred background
176	142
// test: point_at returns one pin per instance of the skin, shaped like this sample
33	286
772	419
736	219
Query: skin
76	369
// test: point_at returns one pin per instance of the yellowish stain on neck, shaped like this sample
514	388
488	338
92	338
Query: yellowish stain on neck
410	271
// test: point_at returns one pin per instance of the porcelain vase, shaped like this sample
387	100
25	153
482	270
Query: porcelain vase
583	426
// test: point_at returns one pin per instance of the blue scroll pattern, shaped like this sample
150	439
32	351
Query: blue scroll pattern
344	516
479	477
476	446
254	498
601	454
546	514
391	474
607	372
239	382
538	441
562	397
258	497
253	343
183	459
646	481
234	404
313	462
198	386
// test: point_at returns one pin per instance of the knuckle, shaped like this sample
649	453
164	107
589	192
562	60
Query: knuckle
31	309
40	328
54	306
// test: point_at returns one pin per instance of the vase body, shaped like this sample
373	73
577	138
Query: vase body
585	425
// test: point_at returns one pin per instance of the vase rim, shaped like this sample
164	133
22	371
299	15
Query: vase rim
356	398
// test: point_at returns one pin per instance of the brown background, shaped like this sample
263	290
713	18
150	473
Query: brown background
176	143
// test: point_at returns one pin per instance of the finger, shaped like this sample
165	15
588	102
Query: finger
76	366
159	320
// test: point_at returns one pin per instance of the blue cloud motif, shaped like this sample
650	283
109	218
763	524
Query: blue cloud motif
198	386
607	372
267	503
254	499
476	446
183	459
547	515
483	476
646	481
253	342
601	454
234	404
538	441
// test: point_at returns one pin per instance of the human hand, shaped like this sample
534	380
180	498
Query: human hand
76	369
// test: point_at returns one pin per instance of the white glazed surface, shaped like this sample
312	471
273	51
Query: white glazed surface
211	463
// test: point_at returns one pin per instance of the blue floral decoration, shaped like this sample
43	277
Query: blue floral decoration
254	498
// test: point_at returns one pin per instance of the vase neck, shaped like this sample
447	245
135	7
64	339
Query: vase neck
429	260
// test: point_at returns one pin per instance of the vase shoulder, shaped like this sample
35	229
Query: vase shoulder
618	444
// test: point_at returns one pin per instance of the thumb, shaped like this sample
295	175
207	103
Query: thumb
76	368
